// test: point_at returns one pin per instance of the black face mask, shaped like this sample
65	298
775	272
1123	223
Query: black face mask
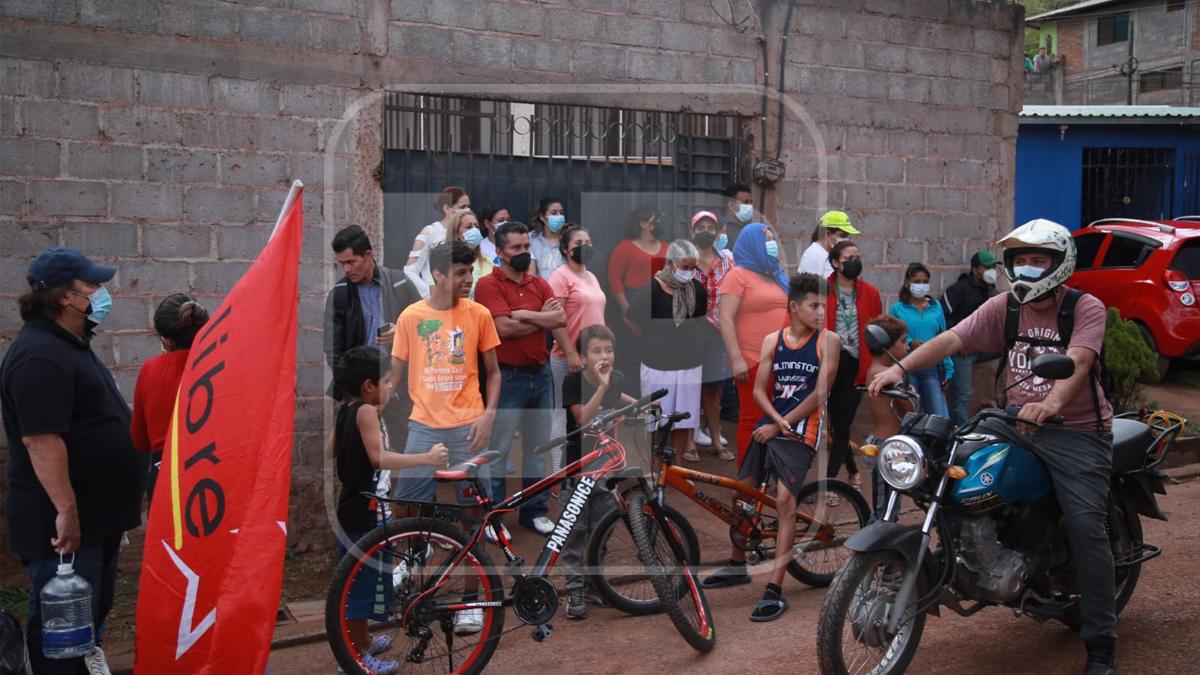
852	268
582	253
520	262
704	239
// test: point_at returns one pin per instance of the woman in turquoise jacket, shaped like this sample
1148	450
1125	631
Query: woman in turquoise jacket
917	308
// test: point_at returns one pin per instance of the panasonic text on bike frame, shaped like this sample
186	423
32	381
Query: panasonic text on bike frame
570	513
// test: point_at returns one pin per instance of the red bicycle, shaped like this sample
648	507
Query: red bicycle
427	572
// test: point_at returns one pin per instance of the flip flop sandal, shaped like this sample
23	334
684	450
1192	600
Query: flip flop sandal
720	579
691	456
856	481
769	609
726	455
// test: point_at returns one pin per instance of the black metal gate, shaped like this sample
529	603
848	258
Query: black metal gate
1128	183
513	154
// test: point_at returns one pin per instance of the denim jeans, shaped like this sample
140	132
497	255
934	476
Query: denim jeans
417	484
960	388
526	405
97	564
929	385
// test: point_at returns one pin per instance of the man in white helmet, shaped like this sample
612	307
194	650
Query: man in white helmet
1040	315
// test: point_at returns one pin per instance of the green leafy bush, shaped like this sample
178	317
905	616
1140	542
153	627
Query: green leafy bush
1128	362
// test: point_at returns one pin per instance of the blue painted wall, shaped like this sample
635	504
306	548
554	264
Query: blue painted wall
1049	173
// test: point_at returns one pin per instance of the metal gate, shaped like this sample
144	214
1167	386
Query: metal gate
513	154
1128	183
1191	184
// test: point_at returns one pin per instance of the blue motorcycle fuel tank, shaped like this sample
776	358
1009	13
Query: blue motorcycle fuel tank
1000	473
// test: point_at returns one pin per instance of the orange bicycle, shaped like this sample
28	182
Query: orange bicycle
822	525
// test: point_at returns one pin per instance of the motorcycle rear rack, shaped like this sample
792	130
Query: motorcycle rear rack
1140	554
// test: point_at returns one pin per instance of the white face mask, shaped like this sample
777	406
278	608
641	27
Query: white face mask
919	290
989	276
1030	272
745	212
684	276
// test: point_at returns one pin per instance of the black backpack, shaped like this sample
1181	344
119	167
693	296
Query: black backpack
1066	325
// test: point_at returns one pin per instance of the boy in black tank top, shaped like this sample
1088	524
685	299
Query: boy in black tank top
358	445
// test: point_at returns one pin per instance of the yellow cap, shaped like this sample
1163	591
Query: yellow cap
838	220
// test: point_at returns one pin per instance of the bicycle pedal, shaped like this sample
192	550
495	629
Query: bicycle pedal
542	632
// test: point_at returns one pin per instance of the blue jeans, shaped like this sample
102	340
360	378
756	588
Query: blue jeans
960	388
929	385
96	563
526	405
417	484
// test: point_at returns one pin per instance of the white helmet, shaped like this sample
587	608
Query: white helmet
1039	235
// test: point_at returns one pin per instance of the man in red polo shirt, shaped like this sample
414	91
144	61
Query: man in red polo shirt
524	308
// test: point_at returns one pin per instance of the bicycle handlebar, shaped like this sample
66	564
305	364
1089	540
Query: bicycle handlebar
601	421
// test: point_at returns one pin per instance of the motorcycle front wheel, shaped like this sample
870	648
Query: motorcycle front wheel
852	634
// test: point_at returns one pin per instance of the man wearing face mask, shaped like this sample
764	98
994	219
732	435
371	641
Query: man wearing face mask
739	210
960	300
1039	257
75	480
525	309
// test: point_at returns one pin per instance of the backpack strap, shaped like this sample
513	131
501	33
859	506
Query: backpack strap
1012	317
1066	324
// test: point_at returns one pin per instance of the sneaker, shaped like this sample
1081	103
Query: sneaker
401	570
1101	656
576	604
468	621
96	663
379	644
702	437
541	525
489	533
380	666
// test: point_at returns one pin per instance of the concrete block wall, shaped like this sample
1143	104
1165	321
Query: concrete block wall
171	160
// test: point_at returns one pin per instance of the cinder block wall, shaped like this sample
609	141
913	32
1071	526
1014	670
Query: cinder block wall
161	136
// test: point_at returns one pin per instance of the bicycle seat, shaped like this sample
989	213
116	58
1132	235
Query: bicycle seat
465	470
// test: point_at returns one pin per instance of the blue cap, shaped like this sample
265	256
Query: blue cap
61	265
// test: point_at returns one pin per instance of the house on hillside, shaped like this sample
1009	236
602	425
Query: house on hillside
1112	52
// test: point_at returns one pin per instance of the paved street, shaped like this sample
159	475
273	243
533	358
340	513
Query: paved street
1159	629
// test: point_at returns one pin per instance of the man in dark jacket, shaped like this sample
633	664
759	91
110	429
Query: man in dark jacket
361	309
961	300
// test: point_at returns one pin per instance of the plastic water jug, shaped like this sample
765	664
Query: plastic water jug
67	628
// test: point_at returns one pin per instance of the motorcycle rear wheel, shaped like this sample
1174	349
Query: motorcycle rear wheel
852	618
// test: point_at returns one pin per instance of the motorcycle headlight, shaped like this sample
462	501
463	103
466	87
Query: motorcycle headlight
901	462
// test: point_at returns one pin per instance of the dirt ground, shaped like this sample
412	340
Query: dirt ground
1158	629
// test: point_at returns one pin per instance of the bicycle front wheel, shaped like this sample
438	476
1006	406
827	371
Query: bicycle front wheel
383	611
673	578
829	512
617	573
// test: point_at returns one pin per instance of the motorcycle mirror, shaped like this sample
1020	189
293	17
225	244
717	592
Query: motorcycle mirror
878	340
1053	366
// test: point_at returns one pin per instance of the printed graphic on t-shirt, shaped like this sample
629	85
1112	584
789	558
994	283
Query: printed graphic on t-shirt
791	377
444	356
1020	362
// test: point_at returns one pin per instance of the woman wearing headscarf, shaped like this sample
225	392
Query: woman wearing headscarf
668	315
753	304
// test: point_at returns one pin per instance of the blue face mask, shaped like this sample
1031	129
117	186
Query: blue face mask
721	242
1028	272
101	304
745	212
773	249
555	222
472	237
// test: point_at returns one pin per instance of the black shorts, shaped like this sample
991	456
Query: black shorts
789	459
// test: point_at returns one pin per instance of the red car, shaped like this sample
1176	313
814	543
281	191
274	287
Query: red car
1149	271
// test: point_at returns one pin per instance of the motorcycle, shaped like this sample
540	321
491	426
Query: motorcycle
992	534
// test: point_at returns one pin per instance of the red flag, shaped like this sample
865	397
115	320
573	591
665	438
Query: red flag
212	571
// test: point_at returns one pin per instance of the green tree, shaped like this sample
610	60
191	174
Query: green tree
1128	362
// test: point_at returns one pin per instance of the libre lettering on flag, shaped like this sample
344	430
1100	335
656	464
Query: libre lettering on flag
212	571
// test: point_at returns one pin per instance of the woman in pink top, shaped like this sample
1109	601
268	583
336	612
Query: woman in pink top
753	304
583	301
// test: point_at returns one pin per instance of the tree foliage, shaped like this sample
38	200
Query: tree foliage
1128	362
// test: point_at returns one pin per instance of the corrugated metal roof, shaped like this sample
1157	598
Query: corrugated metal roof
1109	111
1071	9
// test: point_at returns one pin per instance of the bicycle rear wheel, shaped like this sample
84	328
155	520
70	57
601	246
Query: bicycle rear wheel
673	578
835	512
396	565
616	572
